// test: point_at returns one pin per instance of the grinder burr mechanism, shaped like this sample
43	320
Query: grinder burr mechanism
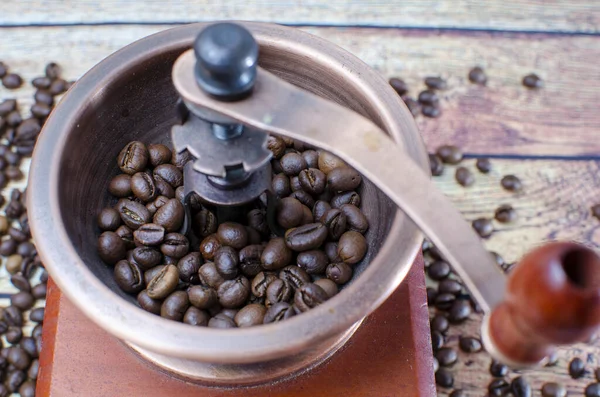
229	106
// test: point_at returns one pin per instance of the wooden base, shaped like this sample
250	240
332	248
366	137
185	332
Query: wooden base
389	355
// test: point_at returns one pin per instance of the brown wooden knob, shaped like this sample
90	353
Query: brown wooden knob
552	298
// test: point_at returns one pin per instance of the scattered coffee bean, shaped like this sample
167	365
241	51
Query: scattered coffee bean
450	154
12	81
469	344
438	270
483	165
498	388
483	226
436	165
431	111
498	370
436	83
511	183
576	368
444	378
439	323
278	312
399	85
464	177
520	387
459	311
505	214
477	76
552	389
437	340
428	97
444	301
446	356
533	81
592	390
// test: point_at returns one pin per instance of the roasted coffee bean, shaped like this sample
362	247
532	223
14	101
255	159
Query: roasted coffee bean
331	250
520	387
592	390
163	188
399	85
261	282
197	317
335	222
311	157
163	283
444	301
40	110
188	267
209	246
12	81
13	119
320	208
226	259
152	272
128	277
175	306
58	87
313	181
450	286
175	245
234	293
355	219
450	154
469	344
179	160
304	198
552	389
437	340
18	235
233	235
345	198
143	187
352	247
37	331
205	223
149	234
12	316
221	321
444	378
7	248
436	165
483	226
511	183
340	273
428	97
446	356
289	212
276	145
250	315
18	357
14	379
170	215
29	129
328	162
133	214
249	260
294	275
53	71
149	304
505	214
436	83
477	76
32	373
20	282
133	158
13	262
210	276
109	219
110	248
439	323
126	236
533	81
483	165
278	312
314	261
169	173
464	177
431	111
28	343
311	236
281	185
292	164
27	389
459	311
44	96
14	334
576	368
202	296
7	106
279	290
309	296
498	370
41	82
22	300
498	388
120	186
159	154
343	179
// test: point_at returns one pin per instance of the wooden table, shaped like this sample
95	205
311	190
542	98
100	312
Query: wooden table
549	138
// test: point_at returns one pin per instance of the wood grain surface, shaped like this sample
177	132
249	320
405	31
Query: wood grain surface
503	118
528	15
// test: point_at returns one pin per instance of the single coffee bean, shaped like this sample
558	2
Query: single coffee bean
321	208
303	198
311	236
221	321
32	373
158	154
592	390
428	97
149	234
126	235
437	341
444	378
446	356
276	145
227	260
552	389
294	275
197	317
188	267
279	290
399	85
431	111
149	304
335	221
450	154
355	219
339	273
444	301
20	282
314	261
345	198
28	344
477	76
250	315
12	81
483	165
292	164
464	177
163	188
313	180
7	248
202	296
439	323
483	226
352	247
281	185
289	212
498	388
128	277
111	248
331	250
450	286
143	187
14	379
18	357
436	83
13	119
13	317
309	296
163	283
170	174
14	334
533	81
175	245
170	215
53	71
328	162
276	254
7	106
205	223
328	286
234	293
42	95
278	312
209	246
343	179
210	276
133	214
261	282
26	249
459	311
37	331
249	260
133	158
23	300
120	186
312	158
18	235
576	368
469	344
498	370
109	219
27	389
436	165
179	160
233	235
520	387
505	214
511	183
41	82
40	110
175	306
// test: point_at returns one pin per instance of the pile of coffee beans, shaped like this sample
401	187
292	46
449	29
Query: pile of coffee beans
233	273
22	320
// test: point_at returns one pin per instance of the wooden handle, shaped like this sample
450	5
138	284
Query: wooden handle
552	298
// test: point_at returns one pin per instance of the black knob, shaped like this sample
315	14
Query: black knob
227	56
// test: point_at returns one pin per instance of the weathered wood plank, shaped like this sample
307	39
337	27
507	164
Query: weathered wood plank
545	15
502	118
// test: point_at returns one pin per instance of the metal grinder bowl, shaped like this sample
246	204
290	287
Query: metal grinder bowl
130	96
